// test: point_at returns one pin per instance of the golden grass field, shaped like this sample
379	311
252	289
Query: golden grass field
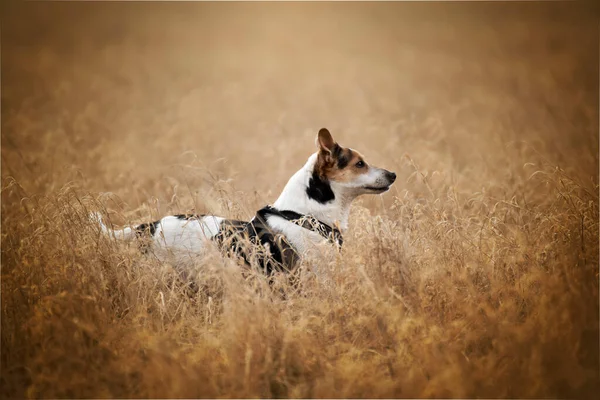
475	276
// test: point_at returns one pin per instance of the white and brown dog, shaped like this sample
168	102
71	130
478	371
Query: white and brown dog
312	209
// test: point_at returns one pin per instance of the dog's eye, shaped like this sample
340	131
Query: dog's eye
360	164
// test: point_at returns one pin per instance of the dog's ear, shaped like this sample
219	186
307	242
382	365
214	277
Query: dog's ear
325	141
328	151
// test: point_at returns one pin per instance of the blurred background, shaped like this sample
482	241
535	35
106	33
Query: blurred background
123	96
480	262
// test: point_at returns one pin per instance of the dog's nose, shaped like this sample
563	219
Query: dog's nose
391	176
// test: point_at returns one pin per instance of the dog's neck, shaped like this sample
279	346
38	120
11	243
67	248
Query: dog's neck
334	212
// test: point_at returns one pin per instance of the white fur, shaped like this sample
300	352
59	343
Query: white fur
180	238
123	234
174	239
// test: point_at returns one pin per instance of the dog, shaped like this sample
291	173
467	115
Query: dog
312	210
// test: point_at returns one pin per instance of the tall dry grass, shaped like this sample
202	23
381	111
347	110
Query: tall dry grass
476	276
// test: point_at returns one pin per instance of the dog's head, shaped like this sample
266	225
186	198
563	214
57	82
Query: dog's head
345	170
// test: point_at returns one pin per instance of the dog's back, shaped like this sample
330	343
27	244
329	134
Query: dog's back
182	238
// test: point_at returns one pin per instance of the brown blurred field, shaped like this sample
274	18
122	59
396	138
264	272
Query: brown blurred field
475	276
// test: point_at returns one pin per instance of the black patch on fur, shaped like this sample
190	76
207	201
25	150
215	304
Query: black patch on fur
234	235
187	217
140	230
337	150
341	156
319	189
342	161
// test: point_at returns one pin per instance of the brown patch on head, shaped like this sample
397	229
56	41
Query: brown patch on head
335	162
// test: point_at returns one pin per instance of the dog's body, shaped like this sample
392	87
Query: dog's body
313	209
